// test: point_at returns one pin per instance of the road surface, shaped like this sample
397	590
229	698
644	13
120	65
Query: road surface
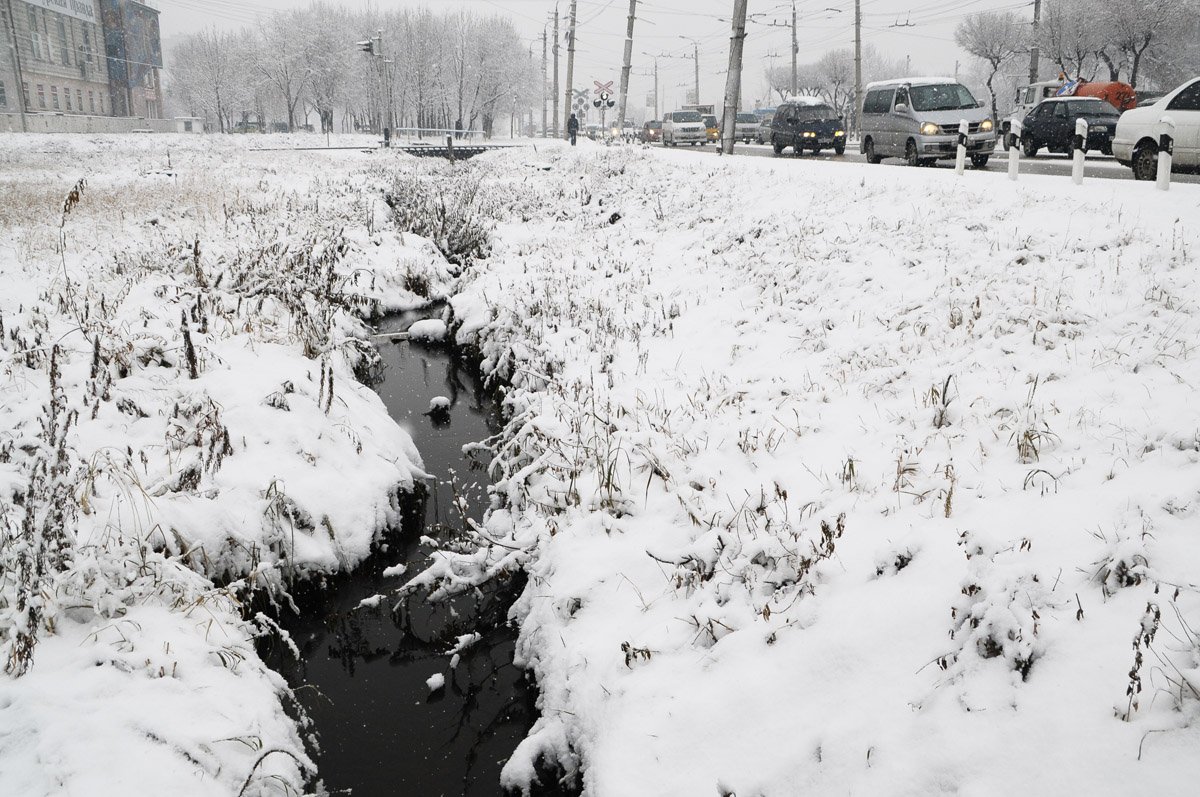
1097	166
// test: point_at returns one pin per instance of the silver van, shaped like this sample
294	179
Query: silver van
917	119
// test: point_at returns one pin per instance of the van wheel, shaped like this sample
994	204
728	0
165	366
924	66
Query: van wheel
1028	147
869	151
979	161
1145	162
777	146
910	153
839	149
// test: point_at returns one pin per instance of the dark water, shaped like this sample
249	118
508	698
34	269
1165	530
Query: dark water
362	673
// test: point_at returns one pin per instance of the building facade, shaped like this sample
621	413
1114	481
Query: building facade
87	57
133	47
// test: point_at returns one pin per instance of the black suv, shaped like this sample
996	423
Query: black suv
1052	125
808	125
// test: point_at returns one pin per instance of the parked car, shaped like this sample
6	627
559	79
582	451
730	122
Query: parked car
1136	141
763	133
712	127
651	132
917	119
594	132
683	127
1052	125
745	127
806	123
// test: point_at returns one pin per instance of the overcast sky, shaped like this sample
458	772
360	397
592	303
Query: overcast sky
922	30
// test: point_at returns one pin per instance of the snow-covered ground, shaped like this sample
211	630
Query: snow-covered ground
827	479
831	479
203	436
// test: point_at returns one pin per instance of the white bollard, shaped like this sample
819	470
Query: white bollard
1079	145
960	165
1014	149
1166	151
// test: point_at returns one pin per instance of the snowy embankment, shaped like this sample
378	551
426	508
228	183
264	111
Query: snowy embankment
180	426
841	479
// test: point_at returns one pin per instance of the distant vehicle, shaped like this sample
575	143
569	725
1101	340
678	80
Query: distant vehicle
1137	138
763	133
745	127
1052	125
712	127
623	132
247	127
594	131
651	132
807	123
683	127
918	118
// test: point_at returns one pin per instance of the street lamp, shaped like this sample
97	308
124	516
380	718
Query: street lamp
655	57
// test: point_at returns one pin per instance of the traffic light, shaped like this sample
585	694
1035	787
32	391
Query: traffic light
367	46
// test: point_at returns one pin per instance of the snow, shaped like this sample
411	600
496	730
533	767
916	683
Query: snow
431	329
439	404
868	485
190	484
863	486
436	682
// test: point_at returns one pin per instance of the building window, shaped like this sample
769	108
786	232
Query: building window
35	35
67	97
64	51
87	44
25	95
92	100
3	96
101	104
54	98
41	96
79	99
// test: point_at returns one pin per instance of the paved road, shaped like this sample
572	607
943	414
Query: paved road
1099	166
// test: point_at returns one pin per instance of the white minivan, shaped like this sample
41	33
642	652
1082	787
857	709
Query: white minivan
918	119
1135	143
683	127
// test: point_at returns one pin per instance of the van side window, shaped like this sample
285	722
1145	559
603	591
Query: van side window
1060	110
878	101
902	97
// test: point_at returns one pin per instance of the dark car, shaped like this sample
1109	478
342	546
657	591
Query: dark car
1052	125
812	126
651	132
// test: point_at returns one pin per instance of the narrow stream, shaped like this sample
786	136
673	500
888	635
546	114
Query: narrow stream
362	673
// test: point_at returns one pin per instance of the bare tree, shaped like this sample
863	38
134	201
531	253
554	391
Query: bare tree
1071	36
281	60
1138	29
993	37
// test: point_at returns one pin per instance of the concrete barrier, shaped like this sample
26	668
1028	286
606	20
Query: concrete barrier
79	123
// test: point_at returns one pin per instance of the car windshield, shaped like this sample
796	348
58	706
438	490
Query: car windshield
814	113
685	116
941	97
655	125
747	117
1091	108
711	121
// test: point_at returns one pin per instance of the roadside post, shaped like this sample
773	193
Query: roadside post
450	146
1078	146
1014	149
960	164
1166	151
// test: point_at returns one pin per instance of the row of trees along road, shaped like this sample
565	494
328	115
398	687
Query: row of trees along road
831	77
1147	43
434	70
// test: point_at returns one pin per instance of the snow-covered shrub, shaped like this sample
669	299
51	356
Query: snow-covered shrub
449	209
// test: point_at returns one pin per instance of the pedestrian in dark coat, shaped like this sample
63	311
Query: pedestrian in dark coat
572	128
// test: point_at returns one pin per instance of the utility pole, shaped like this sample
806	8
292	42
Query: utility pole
543	81
1035	54
554	93
858	86
795	49
625	67
733	80
570	66
19	89
696	59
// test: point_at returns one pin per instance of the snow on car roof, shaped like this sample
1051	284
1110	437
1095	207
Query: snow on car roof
912	81
806	100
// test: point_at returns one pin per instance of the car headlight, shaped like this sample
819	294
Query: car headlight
810	135
986	126
839	134
930	129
